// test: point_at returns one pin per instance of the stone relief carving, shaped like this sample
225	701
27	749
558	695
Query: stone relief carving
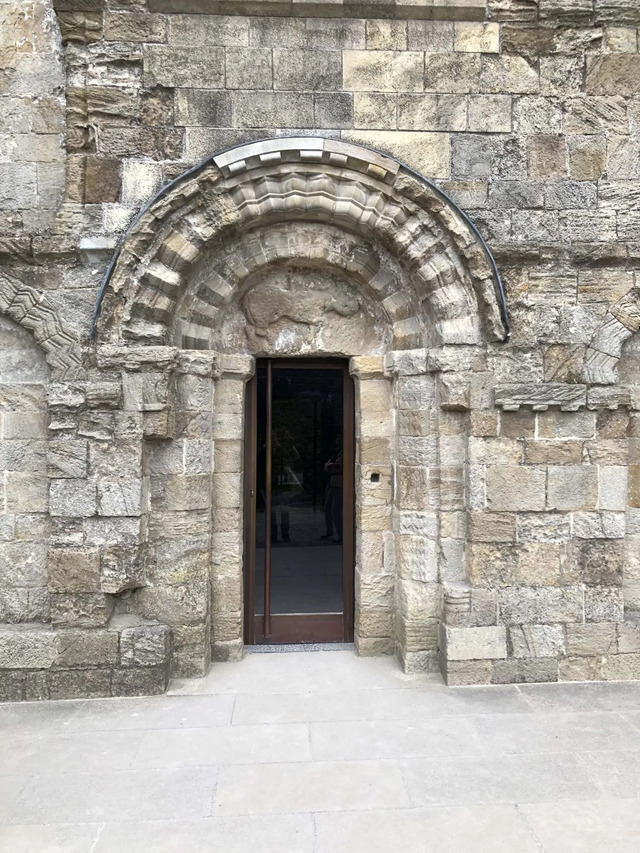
293	310
266	304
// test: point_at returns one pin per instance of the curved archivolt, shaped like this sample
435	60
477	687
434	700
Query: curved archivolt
439	285
32	310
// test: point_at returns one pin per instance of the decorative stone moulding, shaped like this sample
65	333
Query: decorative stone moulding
566	397
32	310
605	348
569	398
189	252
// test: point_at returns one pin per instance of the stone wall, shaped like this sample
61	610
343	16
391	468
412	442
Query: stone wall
505	539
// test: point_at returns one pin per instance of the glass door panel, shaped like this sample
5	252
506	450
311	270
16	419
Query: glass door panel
301	565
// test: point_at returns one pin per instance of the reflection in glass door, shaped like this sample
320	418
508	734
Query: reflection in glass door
299	502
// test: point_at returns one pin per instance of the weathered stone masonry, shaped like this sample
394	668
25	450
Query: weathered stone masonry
501	541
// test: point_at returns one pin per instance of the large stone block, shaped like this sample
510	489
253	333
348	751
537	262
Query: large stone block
73	569
308	70
72	497
380	70
26	492
22	564
513	74
80	683
621	667
199	107
536	641
525	670
269	109
614	74
457	73
78	648
472	37
603	604
147	681
474	643
417	558
590	640
510	488
145	645
81	610
120	497
572	487
428	153
524	605
173	66
27	648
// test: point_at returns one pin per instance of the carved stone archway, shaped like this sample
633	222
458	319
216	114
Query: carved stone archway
388	239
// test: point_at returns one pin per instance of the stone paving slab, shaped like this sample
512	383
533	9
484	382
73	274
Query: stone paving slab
325	752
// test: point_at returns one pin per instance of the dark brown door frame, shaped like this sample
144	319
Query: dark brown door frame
284	628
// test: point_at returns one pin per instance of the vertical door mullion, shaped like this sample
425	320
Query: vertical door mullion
251	489
348	503
267	520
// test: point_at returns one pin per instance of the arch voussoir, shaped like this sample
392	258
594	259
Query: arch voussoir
447	268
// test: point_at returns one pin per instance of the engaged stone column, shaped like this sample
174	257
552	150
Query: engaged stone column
375	558
416	510
227	505
179	469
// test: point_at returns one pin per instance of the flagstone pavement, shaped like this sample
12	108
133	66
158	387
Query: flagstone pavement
325	752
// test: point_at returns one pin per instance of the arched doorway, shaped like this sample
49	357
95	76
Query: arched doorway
302	248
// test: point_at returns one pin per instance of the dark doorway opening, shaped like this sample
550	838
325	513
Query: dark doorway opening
299	502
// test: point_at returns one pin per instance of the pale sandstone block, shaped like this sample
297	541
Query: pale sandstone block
490	113
374	396
386	35
628	638
537	641
375	111
451	73
613	482
587	157
580	669
572	487
513	74
432	112
417	558
426	152
383	71
614	74
418	524
492	527
621	40
512	488
524	605
595	639
180	66
603	604
226	490
621	667
472	37
475	643
27	649
599	525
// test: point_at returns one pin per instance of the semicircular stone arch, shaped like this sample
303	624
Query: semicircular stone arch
411	254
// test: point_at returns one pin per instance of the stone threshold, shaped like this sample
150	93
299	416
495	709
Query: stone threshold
299	647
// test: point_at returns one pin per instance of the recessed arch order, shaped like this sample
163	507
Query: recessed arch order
409	243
